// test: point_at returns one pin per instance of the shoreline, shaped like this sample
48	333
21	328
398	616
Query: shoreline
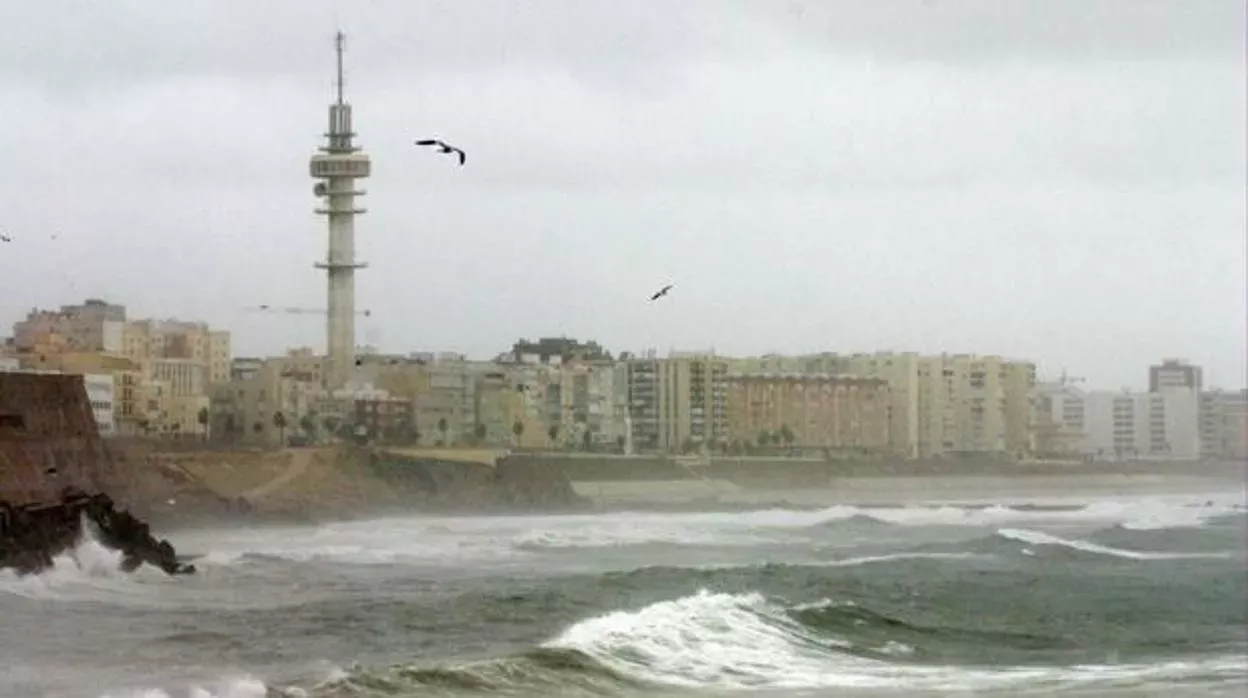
677	497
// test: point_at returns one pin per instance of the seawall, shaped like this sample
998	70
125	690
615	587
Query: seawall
654	481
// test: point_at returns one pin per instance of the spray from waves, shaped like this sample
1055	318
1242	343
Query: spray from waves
1041	538
87	563
452	541
228	688
747	642
1140	513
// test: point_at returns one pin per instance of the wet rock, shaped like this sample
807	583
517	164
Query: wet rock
31	537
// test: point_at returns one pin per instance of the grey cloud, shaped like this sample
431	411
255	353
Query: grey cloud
976	31
1034	188
96	46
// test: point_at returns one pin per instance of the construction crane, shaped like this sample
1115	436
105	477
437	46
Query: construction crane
298	311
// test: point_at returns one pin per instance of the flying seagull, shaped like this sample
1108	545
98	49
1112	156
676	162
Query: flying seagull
5	238
444	148
661	292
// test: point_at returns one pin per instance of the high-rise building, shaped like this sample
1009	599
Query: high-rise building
679	403
1224	424
1124	425
1174	373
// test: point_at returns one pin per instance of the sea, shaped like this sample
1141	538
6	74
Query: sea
1068	596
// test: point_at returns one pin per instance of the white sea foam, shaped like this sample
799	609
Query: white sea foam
745	642
1041	538
86	564
459	540
244	687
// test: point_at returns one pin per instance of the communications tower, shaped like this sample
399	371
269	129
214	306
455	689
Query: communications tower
336	169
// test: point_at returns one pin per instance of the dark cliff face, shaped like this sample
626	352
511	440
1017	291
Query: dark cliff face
442	485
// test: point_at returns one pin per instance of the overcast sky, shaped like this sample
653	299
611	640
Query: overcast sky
1060	180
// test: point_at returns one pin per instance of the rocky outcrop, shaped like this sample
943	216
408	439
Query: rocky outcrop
54	468
31	537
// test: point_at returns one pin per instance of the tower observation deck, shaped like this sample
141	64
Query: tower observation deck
336	169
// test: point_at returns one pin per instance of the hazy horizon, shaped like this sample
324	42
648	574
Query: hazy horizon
1057	181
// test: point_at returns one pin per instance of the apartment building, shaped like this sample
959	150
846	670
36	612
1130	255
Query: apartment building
588	399
101	396
949	404
446	408
145	340
815	410
1125	425
502	415
247	408
1224	424
93	326
679	403
390	419
1174	373
1058	420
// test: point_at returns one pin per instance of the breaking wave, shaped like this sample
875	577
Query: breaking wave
86	564
452	541
747	642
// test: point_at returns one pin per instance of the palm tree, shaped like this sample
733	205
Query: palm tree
279	421
442	427
202	418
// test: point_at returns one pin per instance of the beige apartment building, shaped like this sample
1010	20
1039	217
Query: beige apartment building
95	325
938	405
818	410
144	340
678	404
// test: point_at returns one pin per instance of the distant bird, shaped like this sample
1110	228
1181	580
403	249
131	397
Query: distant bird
5	238
661	292
444	148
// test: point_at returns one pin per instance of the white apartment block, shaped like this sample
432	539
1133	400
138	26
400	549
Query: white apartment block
1224	424
1124	425
100	394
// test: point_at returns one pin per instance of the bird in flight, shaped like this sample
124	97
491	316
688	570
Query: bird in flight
443	147
661	292
5	238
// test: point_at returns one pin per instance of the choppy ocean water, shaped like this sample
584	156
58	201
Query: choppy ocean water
1142	596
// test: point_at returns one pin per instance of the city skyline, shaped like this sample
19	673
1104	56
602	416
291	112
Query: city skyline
862	188
1064	375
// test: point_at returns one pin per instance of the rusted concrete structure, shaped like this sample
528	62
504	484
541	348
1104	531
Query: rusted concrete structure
53	465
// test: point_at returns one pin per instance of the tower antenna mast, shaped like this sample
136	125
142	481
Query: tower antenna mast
339	41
